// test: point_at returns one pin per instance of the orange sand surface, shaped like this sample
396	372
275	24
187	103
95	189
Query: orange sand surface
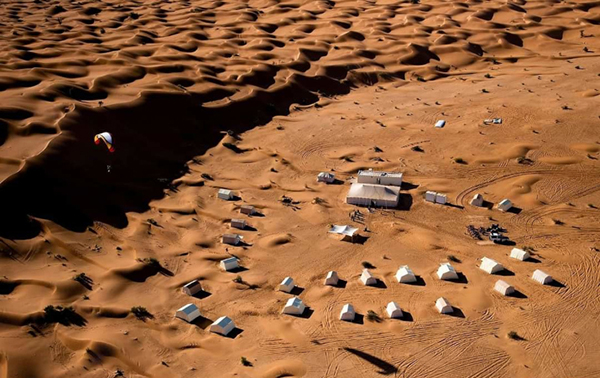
259	97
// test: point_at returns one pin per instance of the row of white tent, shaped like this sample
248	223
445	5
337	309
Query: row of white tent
190	312
503	205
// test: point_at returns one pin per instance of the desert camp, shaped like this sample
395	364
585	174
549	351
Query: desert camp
165	165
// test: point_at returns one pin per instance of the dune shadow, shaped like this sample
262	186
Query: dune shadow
201	294
457	313
419	282
7	287
234	333
408	186
518	294
462	279
306	314
487	204
297	290
405	202
239	269
406	317
202	322
556	283
514	210
505	273
358	319
385	367
379	284
359	239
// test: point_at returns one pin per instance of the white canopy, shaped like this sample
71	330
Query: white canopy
343	230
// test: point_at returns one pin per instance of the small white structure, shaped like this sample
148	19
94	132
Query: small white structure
504	288
504	205
348	314
367	278
229	264
225	194
379	178
440	198
326	177
440	123
477	200
542	277
373	195
238	223
189	312
222	326
232	239
348	233
332	279
443	306
192	288
519	254
405	275
287	285
430	196
490	266
294	306
393	310
447	272
248	210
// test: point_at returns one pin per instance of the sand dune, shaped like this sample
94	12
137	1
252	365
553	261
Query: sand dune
259	97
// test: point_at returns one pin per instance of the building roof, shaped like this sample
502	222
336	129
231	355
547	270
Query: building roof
373	173
188	308
235	236
505	202
446	267
442	302
489	265
192	284
225	191
348	308
287	281
374	192
294	302
230	260
223	321
326	174
343	230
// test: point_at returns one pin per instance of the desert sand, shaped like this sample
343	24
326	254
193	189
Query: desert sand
259	97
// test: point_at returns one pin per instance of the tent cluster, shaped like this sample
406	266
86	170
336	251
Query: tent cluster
375	189
435	197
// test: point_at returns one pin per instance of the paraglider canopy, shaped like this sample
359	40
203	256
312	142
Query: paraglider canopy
107	138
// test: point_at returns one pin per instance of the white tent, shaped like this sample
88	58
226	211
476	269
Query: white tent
443	306
222	326
225	194
347	313
379	178
440	198
232	239
542	277
326	177
238	223
373	195
477	200
440	123
192	288
332	278
189	313
393	310
430	196
519	254
504	205
287	285
347	232
294	306
490	266
367	278
229	264
447	272
504	288
405	275
247	209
